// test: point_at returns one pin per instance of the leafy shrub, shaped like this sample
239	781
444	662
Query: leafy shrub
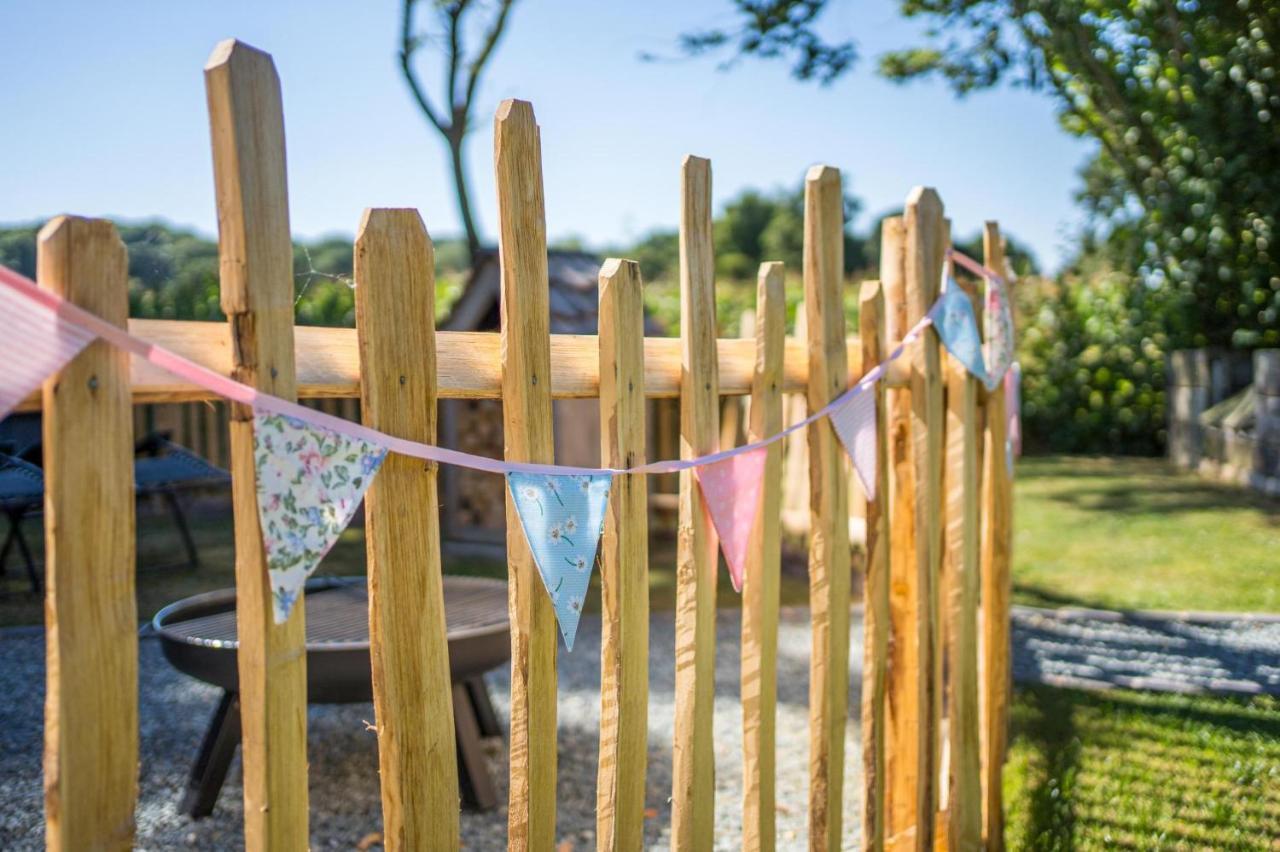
1092	348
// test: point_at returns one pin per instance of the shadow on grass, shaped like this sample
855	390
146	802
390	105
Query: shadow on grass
1030	594
1142	770
1149	486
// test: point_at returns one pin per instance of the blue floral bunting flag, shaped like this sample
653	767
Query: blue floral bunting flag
310	481
563	519
958	328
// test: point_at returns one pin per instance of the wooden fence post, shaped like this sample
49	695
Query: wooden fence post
624	564
997	553
871	330
829	559
91	631
395	321
527	434
762	573
963	463
925	247
256	272
693	755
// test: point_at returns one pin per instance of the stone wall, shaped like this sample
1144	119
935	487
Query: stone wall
1224	415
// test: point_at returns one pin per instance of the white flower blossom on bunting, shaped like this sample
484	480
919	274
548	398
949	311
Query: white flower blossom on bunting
731	495
36	344
310	481
855	423
562	516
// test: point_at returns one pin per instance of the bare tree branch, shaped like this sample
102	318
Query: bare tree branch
408	44
482	58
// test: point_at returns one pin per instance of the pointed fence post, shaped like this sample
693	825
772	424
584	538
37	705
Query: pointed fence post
624	564
925	249
901	688
829	559
256	274
408	641
527	435
762	573
693	754
961	566
91	635
997	554
875	587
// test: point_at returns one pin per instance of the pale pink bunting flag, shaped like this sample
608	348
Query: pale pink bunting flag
731	493
36	344
855	423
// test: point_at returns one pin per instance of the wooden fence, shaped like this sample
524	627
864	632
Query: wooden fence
936	587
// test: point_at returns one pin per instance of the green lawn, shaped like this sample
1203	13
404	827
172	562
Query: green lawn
1125	533
1140	771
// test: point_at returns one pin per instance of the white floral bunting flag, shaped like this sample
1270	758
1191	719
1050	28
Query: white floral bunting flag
563	518
310	481
855	423
997	320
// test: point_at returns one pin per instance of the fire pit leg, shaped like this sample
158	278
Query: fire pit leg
473	769
214	758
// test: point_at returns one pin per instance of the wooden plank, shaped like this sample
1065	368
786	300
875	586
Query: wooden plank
693	755
91	639
762	573
395	316
829	558
996	559
925	249
469	364
901	708
256	272
875	587
624	564
527	433
960	556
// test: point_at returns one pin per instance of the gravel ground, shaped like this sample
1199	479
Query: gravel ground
343	753
1226	654
1084	648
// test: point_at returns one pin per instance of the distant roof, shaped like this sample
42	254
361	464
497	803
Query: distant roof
573	278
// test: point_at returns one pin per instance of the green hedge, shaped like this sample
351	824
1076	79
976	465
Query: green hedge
1092	348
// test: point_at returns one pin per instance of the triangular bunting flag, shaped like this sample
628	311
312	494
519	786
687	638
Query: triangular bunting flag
1013	413
731	493
855	423
563	519
997	318
310	481
958	328
36	344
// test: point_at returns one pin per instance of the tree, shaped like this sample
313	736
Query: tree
461	79
1182	98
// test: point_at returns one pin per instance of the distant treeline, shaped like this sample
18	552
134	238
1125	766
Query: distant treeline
173	271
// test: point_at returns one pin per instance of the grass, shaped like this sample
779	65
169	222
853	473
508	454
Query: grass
1129	770
1126	533
211	524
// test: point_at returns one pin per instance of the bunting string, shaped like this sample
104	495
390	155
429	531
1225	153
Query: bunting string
234	391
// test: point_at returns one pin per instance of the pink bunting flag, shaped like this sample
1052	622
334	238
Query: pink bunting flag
36	344
731	494
855	423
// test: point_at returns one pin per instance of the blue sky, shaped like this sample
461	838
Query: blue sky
102	112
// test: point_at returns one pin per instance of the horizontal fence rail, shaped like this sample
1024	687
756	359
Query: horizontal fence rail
328	362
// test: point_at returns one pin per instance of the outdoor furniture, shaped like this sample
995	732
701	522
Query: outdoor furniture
198	636
161	468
